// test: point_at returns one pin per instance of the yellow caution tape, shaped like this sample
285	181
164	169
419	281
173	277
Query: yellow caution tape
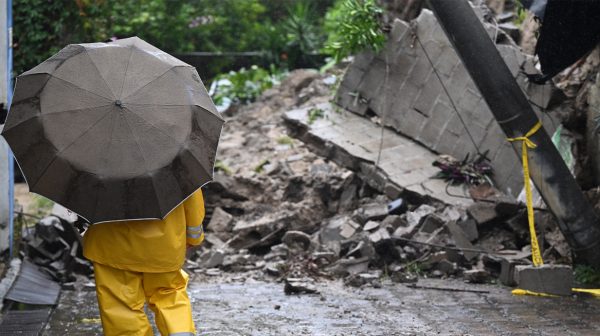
528	292
594	292
526	143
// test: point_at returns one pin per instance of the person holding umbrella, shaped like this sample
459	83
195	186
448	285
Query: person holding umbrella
124	135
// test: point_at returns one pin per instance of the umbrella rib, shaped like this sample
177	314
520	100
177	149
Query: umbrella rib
125	75
67	147
135	139
74	110
153	126
182	105
79	87
99	73
150	82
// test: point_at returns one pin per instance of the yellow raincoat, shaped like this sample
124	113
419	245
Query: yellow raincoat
140	261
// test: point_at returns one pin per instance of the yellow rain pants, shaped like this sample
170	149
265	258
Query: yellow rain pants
139	262
122	295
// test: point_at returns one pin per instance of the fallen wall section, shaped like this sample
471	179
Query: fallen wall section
400	86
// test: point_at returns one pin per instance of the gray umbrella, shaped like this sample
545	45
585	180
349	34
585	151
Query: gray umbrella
114	131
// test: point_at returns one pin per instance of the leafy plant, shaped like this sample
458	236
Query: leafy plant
245	85
353	26
587	275
303	37
314	114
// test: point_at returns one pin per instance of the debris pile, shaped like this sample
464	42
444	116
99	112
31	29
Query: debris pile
54	244
278	211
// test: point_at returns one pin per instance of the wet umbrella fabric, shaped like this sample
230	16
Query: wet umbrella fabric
114	131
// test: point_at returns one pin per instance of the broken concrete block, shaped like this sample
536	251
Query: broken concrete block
337	229
392	191
371	225
550	279
414	217
461	240
219	221
216	258
507	271
431	223
379	236
372	211
299	286
469	227
476	276
296	239
446	267
392	222
482	212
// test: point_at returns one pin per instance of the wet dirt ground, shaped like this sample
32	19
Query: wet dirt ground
242	306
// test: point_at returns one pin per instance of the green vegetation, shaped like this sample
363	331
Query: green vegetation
587	275
353	26
285	140
261	165
245	85
314	114
40	206
221	166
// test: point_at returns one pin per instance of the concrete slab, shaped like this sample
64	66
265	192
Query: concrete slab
354	142
550	279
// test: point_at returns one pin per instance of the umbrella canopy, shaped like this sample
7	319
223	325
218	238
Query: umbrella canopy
114	131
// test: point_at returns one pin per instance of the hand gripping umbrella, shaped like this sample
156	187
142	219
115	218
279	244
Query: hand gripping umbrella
114	131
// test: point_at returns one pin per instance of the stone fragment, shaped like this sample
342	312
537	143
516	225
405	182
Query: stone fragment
299	286
482	212
431	223
507	271
469	227
447	267
337	229
379	236
393	222
461	240
392	191
476	276
346	266
371	225
372	211
219	221
549	279
215	259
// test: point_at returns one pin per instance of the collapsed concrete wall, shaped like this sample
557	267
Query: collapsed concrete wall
399	85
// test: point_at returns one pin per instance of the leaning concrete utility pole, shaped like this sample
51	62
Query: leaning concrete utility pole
576	218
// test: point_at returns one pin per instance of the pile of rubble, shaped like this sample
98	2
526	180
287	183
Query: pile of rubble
276	210
54	244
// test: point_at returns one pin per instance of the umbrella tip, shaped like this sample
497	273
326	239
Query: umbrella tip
119	103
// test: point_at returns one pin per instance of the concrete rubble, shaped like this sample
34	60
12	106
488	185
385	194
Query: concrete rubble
309	214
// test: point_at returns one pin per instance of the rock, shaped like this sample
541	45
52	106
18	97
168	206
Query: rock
469	227
348	198
507	271
482	212
214	241
296	239
361	279
294	191
392	191
371	225
371	211
338	228
431	223
215	258
299	286
299	79
461	240
379	236
220	221
393	222
346	266
549	279
404	277
476	276
446	267
414	217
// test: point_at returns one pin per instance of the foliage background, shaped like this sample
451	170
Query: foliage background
285	30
